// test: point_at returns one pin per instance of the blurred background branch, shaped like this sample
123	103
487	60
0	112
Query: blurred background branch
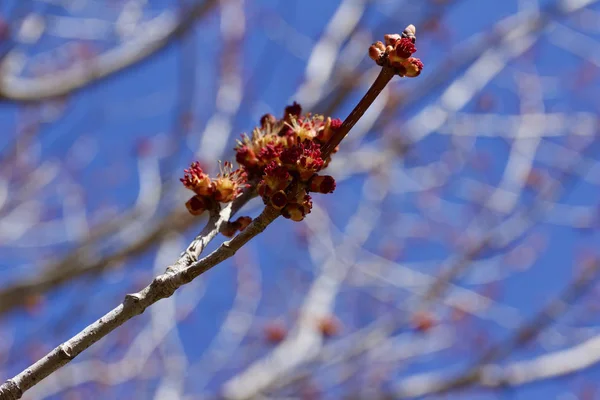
467	199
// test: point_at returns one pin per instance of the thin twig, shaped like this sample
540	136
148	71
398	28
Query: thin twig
384	77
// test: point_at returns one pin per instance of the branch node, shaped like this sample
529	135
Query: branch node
66	352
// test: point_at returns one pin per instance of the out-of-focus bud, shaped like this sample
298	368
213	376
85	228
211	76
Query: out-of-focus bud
275	332
267	119
329	326
376	51
294	110
410	33
391	39
423	321
196	205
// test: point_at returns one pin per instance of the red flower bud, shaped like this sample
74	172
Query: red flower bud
196	205
243	222
331	125
279	200
413	67
229	183
404	48
293	211
245	156
276	177
322	184
197	181
267	119
293	110
229	229
376	51
391	38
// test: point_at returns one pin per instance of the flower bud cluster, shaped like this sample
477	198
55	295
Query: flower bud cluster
286	155
228	184
397	53
283	155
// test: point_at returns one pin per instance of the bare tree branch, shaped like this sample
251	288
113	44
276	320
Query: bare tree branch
162	286
155	36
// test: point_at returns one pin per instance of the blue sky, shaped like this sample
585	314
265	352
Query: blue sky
93	152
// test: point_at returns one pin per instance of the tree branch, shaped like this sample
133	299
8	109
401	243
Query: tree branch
162	286
168	27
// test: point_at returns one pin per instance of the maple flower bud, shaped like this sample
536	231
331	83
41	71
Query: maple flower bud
245	156
404	48
196	205
398	53
376	51
329	128
243	222
267	119
413	67
293	211
310	162
229	183
197	181
229	229
278	199
322	184
391	39
269	153
305	158
294	110
276	177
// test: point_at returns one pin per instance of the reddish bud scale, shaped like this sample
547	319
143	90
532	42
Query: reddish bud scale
322	184
278	200
293	211
267	119
243	222
413	67
331	126
197	205
293	110
231	228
